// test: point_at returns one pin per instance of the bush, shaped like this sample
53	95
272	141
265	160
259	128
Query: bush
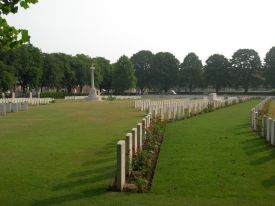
56	95
59	95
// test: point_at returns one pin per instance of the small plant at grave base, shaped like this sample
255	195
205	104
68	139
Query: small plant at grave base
210	107
111	98
141	184
261	113
226	104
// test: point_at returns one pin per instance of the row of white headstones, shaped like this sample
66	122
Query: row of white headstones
8	105
267	128
167	110
183	108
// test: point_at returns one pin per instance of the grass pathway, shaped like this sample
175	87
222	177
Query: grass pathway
216	159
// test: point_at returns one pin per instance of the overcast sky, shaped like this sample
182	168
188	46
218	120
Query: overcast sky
111	28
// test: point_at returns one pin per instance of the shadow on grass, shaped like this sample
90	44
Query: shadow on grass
102	169
92	171
257	145
242	126
269	182
80	182
70	197
259	149
264	159
99	161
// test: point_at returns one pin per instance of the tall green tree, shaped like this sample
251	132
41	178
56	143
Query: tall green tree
216	71
123	75
80	64
143	62
103	73
10	37
7	77
269	66
52	72
69	77
165	69
190	74
28	63
246	68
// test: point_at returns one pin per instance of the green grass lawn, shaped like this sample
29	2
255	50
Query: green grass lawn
64	154
216	159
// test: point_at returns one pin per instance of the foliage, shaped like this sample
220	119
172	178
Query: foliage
246	68
7	78
216	71
10	37
28	61
123	75
80	65
190	74
103	73
164	71
269	66
143	62
52	72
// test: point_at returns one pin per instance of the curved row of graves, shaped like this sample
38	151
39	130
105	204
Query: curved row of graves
9	105
260	122
167	110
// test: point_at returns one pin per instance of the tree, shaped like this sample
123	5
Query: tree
7	78
246	68
143	62
165	69
103	73
190	75
269	66
28	62
80	64
52	72
11	37
123	75
216	71
69	78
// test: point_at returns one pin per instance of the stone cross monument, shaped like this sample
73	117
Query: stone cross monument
92	94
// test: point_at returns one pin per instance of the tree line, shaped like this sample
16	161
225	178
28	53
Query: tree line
30	68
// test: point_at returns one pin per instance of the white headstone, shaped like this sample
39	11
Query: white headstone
272	135
120	165
129	154
139	136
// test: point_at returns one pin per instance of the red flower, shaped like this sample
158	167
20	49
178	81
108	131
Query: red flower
134	155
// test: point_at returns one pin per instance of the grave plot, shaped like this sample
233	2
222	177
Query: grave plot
136	165
216	158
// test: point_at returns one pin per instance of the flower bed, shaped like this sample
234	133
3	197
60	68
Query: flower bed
144	161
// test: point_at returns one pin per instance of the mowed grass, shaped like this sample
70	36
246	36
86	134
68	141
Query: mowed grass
65	154
61	152
215	159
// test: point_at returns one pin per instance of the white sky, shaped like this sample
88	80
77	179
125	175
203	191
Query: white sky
111	28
